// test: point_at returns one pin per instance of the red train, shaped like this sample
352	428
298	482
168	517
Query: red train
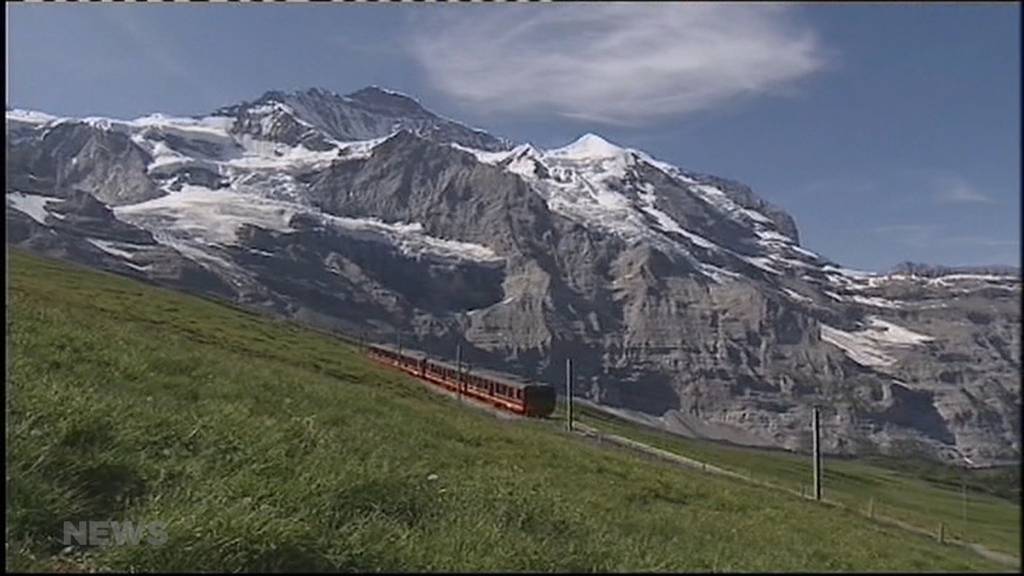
506	392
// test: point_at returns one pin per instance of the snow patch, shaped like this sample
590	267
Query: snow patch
772	235
755	215
977	277
29	116
859	348
875	301
648	198
588	147
848	272
113	248
33	205
833	295
762	263
410	239
872	346
213	215
797	296
884	331
804	251
206	217
719	275
485	156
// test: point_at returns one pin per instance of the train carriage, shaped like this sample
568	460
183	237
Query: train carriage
504	391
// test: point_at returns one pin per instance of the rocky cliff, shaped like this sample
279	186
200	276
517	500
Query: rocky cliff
684	299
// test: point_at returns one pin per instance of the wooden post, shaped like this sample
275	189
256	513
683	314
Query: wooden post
458	369
942	533
817	456
963	487
568	394
871	508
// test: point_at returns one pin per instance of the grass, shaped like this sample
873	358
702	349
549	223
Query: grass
263	446
919	493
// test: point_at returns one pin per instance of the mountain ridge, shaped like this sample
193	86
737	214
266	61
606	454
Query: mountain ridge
684	297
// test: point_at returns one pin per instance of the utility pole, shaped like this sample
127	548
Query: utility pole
458	368
963	488
817	456
568	394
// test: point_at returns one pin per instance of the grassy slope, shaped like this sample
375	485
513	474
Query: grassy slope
265	446
915	493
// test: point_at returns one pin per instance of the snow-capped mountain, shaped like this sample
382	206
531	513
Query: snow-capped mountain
316	117
685	299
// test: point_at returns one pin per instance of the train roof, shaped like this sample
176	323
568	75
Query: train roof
505	378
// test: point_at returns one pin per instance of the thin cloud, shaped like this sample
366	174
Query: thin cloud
932	235
618	63
956	190
917	235
983	241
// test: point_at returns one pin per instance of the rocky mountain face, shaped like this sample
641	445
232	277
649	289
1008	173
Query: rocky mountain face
318	119
934	271
684	299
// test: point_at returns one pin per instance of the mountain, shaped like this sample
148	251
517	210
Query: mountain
318	118
935	271
685	300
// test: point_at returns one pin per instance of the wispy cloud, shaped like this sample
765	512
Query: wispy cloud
932	235
956	190
917	235
618	63
982	241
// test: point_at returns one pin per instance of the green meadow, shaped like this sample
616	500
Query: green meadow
263	446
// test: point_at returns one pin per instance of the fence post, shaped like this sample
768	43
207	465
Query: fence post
817	456
942	533
963	485
568	394
871	508
458	369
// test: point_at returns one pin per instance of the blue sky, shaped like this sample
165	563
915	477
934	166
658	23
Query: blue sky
889	131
